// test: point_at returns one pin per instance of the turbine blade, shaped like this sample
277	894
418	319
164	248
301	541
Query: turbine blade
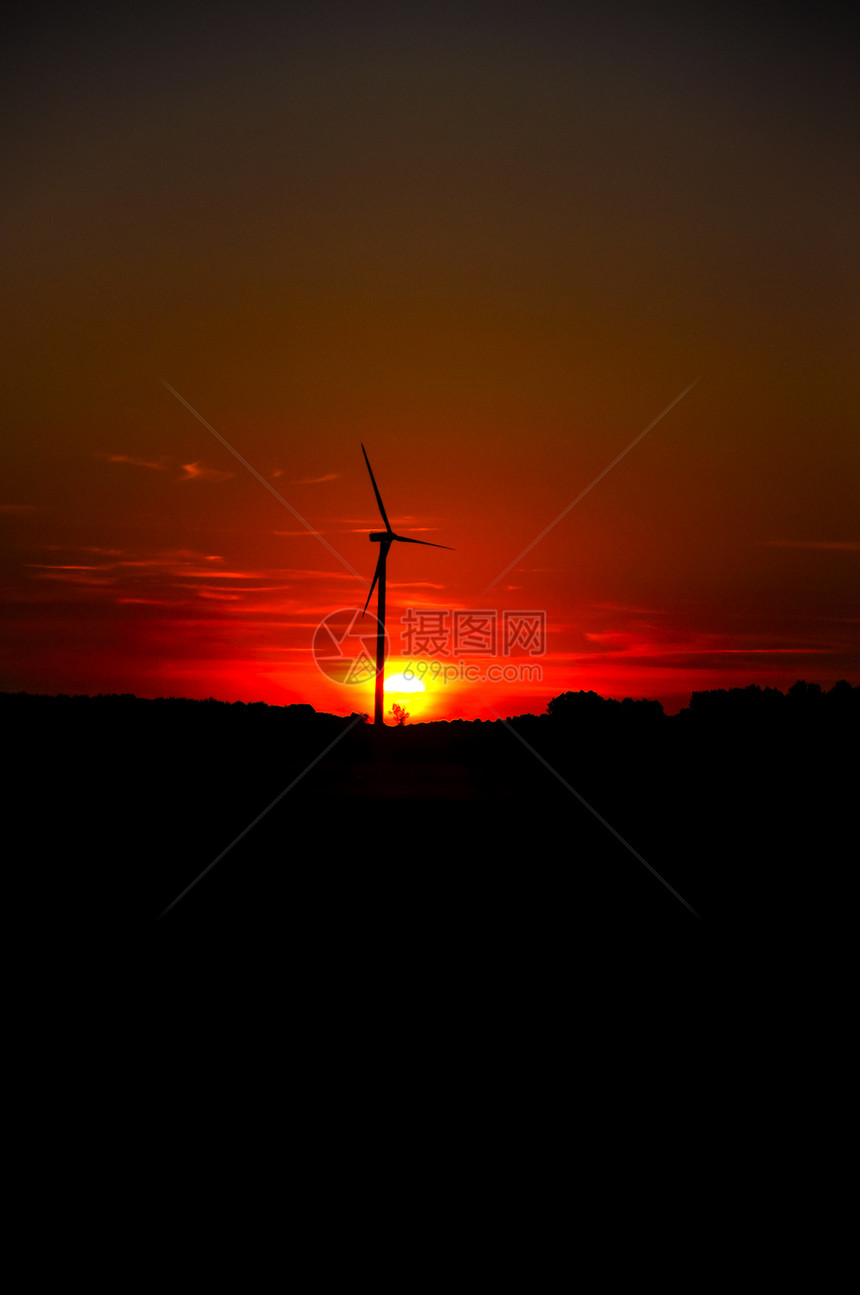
376	490
405	539
383	552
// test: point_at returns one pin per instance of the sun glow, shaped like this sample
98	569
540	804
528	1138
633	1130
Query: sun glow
400	683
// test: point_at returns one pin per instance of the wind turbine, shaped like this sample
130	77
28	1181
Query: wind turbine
384	539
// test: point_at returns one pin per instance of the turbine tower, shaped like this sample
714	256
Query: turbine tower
384	539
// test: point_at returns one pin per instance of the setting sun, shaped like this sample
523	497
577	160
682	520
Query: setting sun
401	683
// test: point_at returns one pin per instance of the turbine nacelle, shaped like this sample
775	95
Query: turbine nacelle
379	537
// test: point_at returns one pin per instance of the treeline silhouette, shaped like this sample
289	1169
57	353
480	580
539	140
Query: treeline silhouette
739	802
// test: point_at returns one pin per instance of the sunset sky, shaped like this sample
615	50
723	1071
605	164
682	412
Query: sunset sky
492	242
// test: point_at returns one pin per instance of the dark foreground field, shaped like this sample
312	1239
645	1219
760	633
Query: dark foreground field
449	845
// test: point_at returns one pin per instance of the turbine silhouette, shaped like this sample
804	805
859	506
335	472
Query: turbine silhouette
384	539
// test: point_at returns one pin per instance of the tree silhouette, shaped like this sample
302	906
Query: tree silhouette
399	714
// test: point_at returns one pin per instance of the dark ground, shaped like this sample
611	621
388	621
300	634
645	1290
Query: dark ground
438	850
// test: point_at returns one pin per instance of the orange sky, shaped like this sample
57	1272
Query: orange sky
493	248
